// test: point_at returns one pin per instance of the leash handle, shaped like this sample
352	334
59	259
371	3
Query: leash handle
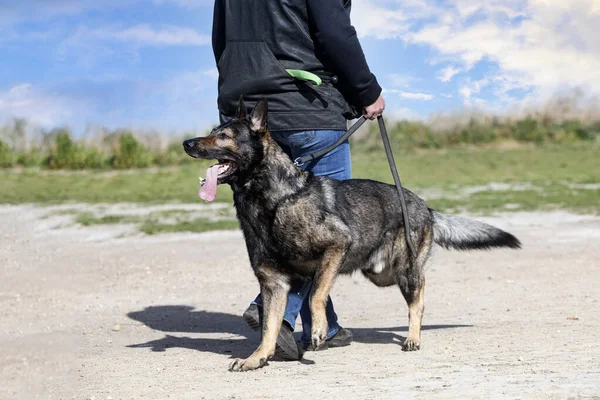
390	156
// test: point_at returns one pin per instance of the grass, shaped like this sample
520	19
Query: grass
552	197
550	168
467	167
157	222
141	186
87	219
197	225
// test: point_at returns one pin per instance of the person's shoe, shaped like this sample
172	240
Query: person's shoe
286	346
342	338
253	317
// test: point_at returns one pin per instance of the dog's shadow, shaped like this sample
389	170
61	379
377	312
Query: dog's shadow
184	319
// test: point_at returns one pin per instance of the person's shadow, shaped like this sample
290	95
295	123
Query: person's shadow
183	319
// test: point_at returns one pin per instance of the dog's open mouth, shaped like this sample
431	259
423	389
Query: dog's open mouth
216	174
225	168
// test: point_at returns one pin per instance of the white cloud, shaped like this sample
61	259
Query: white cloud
417	96
212	73
399	80
186	3
32	10
370	19
184	100
145	35
446	74
404	113
472	87
185	86
88	45
36	10
495	8
26	101
542	47
410	95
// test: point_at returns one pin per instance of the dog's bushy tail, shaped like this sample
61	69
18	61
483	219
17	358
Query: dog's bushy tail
466	234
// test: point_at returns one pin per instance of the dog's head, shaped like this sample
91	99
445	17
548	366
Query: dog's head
237	145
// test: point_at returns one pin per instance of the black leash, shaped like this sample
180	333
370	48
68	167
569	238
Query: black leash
390	156
301	160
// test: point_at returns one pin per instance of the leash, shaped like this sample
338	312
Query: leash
390	156
309	157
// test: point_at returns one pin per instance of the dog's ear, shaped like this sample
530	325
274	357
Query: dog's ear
258	118
241	110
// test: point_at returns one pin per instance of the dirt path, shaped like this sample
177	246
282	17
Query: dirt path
87	316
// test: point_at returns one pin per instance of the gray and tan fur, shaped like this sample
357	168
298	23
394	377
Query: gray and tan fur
297	225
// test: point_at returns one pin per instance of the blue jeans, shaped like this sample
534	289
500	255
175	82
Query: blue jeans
335	164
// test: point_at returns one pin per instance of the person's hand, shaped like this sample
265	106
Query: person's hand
376	109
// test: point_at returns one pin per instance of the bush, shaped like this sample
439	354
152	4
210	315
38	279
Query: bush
414	135
94	159
530	130
479	132
7	157
65	153
172	155
120	149
129	153
579	131
32	158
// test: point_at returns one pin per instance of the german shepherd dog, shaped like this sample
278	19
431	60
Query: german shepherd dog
297	225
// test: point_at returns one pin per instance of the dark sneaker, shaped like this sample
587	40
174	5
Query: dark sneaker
286	346
342	338
253	317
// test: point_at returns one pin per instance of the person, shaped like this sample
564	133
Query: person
255	42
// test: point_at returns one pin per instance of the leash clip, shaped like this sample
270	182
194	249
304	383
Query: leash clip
298	162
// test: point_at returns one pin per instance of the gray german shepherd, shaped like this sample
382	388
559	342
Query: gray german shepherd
297	225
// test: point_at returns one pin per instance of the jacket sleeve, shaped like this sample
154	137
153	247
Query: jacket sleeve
337	38
218	31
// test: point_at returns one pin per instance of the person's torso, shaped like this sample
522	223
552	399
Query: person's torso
263	39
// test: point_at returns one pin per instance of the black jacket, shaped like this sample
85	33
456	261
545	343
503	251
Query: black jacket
255	41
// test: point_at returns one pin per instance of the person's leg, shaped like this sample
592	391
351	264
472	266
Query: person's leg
299	291
336	164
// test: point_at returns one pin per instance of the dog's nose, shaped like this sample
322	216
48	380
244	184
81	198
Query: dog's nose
188	144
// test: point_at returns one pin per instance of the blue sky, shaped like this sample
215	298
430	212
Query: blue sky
149	63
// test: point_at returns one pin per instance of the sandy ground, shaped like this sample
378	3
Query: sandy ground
87	315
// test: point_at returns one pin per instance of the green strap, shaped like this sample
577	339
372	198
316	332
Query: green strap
305	76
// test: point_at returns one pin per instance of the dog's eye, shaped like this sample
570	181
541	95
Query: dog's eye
223	135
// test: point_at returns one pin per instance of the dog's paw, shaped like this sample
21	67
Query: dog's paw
318	338
248	364
411	344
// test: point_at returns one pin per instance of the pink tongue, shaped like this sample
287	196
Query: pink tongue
208	192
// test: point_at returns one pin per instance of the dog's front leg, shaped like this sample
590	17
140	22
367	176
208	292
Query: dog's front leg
274	287
322	284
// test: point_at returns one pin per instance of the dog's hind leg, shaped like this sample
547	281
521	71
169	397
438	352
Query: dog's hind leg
274	287
416	307
412	286
322	284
